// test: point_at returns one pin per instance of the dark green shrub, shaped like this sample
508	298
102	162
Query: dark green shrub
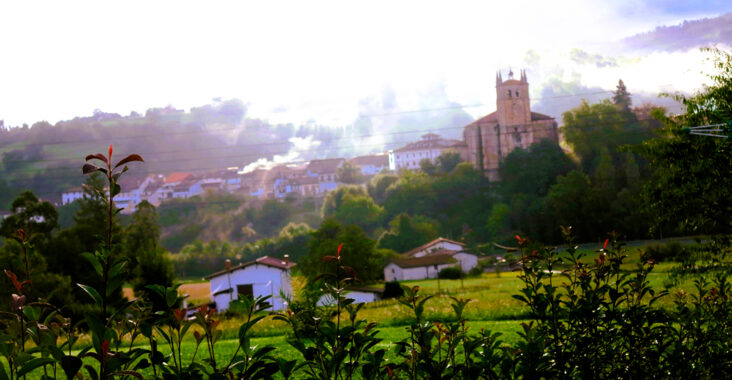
451	273
392	289
671	251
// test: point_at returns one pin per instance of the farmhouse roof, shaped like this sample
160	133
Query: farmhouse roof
176	177
424	261
264	260
433	242
374	159
328	165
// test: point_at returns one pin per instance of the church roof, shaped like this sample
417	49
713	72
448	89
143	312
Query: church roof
491	118
540	116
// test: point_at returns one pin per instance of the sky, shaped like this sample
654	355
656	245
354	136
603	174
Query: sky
293	61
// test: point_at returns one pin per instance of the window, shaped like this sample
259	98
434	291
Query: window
517	93
509	93
392	270
245	290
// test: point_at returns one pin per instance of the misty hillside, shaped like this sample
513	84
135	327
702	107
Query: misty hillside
684	36
47	158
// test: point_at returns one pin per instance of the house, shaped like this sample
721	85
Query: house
435	245
265	276
326	171
417	268
358	294
132	192
372	164
430	147
71	195
427	260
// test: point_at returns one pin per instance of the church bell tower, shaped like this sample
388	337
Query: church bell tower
512	100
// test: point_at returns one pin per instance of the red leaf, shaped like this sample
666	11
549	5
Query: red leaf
110	152
130	158
605	245
338	255
97	156
105	348
89	168
179	314
14	279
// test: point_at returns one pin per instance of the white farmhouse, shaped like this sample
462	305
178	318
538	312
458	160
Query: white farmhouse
265	276
71	195
417	268
427	260
357	294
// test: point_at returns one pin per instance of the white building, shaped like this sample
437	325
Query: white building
265	276
417	268
71	195
357	294
430	147
427	260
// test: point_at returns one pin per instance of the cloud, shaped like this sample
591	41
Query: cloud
299	145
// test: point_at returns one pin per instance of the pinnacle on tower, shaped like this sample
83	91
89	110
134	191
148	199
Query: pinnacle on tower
499	80
523	76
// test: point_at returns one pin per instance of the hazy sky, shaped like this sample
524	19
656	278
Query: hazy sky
62	59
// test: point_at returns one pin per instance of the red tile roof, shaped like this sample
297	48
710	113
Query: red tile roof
176	177
433	242
424	261
264	260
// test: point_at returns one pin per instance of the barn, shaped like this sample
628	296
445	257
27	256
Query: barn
265	276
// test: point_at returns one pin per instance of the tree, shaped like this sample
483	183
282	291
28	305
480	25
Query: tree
149	261
359	210
349	173
567	203
621	97
407	232
334	198
448	161
427	167
380	185
37	218
534	170
589	127
689	190
358	252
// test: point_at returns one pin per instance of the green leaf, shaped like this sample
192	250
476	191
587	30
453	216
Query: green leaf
3	374
92	293
116	188
171	296
92	259
71	365
33	364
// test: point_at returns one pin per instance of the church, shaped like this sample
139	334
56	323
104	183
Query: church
513	125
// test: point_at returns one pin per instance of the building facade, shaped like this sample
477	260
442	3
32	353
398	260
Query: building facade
513	125
429	147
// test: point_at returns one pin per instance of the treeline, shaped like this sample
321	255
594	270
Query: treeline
55	257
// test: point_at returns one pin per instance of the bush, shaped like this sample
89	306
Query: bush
392	289
476	271
673	251
451	273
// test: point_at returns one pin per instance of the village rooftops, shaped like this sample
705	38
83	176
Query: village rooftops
264	260
415	262
328	165
176	177
374	159
426	246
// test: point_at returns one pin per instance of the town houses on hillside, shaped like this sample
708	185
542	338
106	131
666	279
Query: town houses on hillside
485	143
